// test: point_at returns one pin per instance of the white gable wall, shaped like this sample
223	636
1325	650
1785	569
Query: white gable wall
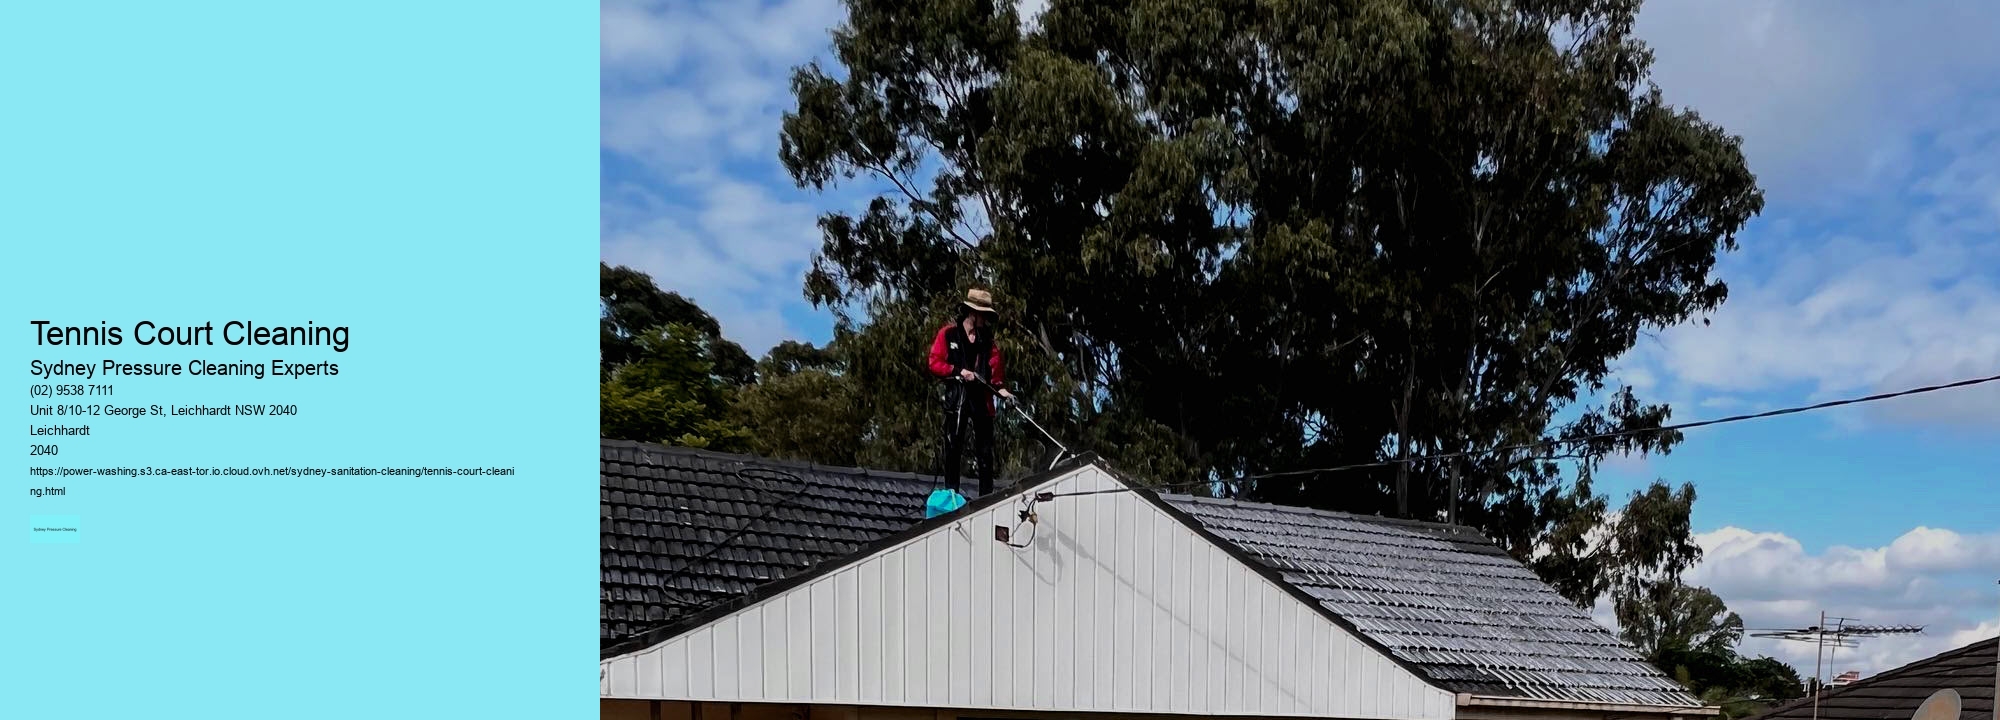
1116	607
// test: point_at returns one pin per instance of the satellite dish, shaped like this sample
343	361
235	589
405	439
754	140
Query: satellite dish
1941	705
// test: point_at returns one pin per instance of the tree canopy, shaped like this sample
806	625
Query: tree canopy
1234	237
665	372
1680	618
670	393
631	304
1689	634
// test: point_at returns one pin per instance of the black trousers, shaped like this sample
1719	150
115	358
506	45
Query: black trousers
965	414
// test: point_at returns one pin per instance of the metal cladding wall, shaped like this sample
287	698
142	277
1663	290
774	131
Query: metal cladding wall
1115	607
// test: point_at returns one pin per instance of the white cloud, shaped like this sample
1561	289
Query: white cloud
641	38
692	95
1891	312
1823	93
1901	298
734	248
1886	323
653	122
1639	378
1628	463
1867	118
1928	576
696	85
1030	12
633	37
1935	549
1983	631
1604	613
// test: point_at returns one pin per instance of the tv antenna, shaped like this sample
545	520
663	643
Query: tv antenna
1835	633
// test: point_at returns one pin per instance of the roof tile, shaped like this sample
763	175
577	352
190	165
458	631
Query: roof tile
1443	599
664	508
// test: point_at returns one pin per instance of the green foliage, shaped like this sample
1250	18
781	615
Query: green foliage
669	393
792	357
1678	619
802	407
665	372
807	415
1741	687
1232	237
1689	634
632	305
1767	680
1646	550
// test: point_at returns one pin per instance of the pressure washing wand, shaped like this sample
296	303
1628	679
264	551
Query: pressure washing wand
1020	408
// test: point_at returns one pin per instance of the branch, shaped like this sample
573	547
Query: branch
971	159
918	203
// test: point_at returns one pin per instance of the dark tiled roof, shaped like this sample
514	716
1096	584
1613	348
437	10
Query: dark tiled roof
663	508
1895	694
1444	600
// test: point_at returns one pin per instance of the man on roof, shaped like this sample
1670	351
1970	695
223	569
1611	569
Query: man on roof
965	356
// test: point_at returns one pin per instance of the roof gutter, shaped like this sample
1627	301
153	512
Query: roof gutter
1495	701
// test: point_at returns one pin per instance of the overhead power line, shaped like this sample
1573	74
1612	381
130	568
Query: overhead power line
1644	431
1549	444
728	541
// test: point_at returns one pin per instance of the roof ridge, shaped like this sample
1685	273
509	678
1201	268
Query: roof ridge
763	461
1975	646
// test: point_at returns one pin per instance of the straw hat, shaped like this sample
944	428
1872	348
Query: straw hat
980	300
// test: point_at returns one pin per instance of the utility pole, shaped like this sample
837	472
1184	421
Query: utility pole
1403	427
1451	510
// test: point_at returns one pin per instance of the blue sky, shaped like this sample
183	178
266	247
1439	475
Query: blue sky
1873	127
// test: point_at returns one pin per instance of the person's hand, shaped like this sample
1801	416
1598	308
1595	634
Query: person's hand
1005	394
967	375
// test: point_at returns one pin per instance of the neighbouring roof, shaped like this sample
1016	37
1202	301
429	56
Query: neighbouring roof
1441	600
1895	695
660	509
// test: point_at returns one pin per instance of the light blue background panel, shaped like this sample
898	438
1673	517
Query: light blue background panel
424	174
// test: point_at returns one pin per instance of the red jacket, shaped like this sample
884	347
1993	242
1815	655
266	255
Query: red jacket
953	351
